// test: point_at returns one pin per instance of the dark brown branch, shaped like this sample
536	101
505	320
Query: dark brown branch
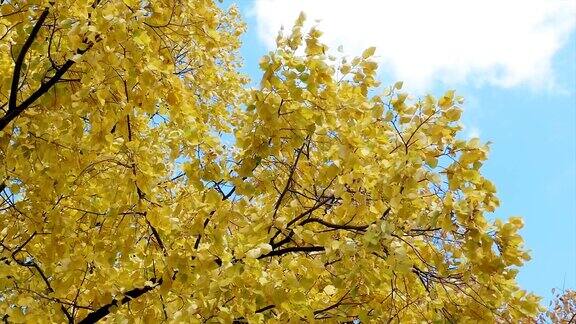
421	231
293	249
297	218
104	310
229	194
288	182
263	309
332	262
157	237
283	241
95	4
74	308
309	211
335	305
360	228
16	111
20	59
54	299
385	213
69	317
30	264
18	249
199	237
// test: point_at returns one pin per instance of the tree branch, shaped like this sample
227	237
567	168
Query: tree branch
360	228
15	111
335	305
20	59
293	249
157	237
104	310
288	182
309	211
261	310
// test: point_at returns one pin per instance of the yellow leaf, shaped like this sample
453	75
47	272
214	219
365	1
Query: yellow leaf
368	52
330	290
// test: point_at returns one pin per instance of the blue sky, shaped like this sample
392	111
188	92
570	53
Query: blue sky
513	61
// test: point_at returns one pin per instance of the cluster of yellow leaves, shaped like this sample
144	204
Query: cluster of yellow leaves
120	201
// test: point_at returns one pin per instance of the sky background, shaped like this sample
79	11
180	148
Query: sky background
513	61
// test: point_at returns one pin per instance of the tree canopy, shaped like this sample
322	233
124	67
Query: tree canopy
143	181
562	309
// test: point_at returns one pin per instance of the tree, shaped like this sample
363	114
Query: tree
142	180
562	308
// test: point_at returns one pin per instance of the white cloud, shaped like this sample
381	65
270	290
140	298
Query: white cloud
501	42
474	132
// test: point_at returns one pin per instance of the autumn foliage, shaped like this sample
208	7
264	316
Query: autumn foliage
562	309
143	181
